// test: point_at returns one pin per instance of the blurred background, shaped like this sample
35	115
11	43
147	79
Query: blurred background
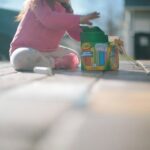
128	19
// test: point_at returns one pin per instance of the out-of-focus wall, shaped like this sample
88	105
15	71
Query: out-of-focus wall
8	27
137	21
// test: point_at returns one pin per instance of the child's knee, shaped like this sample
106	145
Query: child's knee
23	58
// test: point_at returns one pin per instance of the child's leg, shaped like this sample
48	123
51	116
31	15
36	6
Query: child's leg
62	51
65	58
27	58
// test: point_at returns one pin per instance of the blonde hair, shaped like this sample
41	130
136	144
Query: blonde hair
31	4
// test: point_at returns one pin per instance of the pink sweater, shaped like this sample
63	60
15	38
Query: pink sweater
42	28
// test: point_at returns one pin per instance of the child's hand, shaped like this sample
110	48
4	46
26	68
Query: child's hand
85	19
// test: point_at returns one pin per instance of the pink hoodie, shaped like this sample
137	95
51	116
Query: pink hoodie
42	28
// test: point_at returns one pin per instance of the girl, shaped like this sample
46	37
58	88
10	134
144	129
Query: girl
42	25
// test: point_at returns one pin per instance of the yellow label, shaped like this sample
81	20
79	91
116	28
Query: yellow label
86	46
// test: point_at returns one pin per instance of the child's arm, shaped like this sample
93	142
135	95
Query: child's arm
60	20
75	33
53	19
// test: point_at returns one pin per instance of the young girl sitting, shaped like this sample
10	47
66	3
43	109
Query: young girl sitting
42	25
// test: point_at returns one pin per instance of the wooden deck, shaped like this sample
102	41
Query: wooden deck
74	110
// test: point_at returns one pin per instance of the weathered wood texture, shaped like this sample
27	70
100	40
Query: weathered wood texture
74	110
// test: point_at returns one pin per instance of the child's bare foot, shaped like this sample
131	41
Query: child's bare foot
69	61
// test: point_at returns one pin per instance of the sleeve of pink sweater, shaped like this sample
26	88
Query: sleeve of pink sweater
58	19
75	33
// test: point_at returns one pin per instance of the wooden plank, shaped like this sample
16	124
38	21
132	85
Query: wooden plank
79	73
9	78
145	65
121	97
78	82
6	68
22	122
129	66
117	116
6	71
64	132
128	71
4	64
58	86
113	132
123	91
13	80
31	108
118	112
125	75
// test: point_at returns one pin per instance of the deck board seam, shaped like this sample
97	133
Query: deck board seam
84	99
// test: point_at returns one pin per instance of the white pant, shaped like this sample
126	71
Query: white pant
25	58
